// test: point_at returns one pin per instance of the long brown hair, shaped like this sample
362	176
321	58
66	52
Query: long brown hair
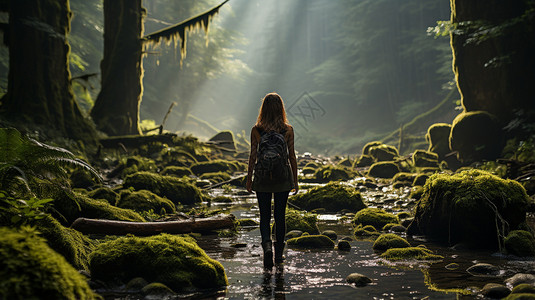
272	115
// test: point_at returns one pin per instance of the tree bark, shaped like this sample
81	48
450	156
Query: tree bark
116	110
39	87
98	226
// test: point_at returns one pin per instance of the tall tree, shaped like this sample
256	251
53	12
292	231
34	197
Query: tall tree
116	110
39	86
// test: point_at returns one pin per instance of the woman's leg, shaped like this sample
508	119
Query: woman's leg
264	204
281	198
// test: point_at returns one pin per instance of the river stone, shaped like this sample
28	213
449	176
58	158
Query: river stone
224	139
398	228
358	279
136	284
344	245
157	289
293	234
519	279
495	291
524	288
483	269
331	234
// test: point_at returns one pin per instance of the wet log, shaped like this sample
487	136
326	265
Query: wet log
100	226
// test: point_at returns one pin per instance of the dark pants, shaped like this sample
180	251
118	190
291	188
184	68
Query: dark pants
264	204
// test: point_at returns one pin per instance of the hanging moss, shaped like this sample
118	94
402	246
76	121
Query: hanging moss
175	261
410	253
384	169
176	171
105	193
425	159
389	240
174	189
144	201
29	269
305	222
333	197
375	217
473	207
438	138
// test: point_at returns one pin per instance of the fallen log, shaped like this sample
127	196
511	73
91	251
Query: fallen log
100	226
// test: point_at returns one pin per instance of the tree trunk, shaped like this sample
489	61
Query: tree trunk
152	228
39	87
116	110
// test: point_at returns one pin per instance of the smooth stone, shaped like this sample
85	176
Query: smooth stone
398	228
331	234
483	269
344	245
358	279
293	234
495	291
520	278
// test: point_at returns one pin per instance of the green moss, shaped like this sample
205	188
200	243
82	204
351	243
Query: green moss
384	152
218	165
366	231
308	170
144	200
174	189
333	197
223	199
363	161
71	206
305	222
520	243
311	241
438	138
388	226
425	159
409	253
176	171
131	165
175	261
176	156
375	217
383	169
105	193
332	173
404	215
403	176
472	206
390	240
346	162
416	192
29	269
216	177
246	222
368	146
82	179
524	288
156	289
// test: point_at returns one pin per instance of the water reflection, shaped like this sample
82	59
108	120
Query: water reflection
273	284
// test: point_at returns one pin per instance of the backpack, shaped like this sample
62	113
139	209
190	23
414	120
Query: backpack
272	158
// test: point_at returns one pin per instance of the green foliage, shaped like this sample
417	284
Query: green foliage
175	261
24	210
333	197
410	253
375	217
389	240
311	241
29	269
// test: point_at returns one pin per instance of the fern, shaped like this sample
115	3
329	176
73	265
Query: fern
25	162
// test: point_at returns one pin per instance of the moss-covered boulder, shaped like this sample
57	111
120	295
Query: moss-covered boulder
469	207
178	157
70	206
476	135
219	165
133	164
363	161
383	169
82	179
425	159
438	136
311	241
384	152
143	200
332	173
368	146
176	171
524	288
105	193
30	269
302	221
389	240
333	197
173	188
175	261
375	217
410	253
520	243
366	231
216	177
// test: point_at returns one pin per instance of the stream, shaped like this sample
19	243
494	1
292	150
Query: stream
320	274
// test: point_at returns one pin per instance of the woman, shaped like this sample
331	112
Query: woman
272	123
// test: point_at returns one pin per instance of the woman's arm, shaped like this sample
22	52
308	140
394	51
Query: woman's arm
291	156
255	137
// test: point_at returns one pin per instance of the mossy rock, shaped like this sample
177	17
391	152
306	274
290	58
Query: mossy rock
404	177
311	241
105	193
425	159
30	269
346	162
224	139
156	289
389	240
383	169
384	152
133	164
520	243
305	222
176	171
222	199
178	157
332	173
246	222
216	177
420	180
331	234
82	179
404	215
333	197
214	166
175	261
462	208
143	200
366	231
343	245
364	161
368	146
308	170
438	136
476	136
524	288
520	296
410	253
375	217
71	206
174	189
